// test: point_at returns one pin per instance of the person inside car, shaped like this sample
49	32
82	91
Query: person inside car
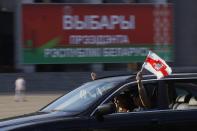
133	101
128	101
123	103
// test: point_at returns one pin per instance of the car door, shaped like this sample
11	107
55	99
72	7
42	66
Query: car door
182	116
57	124
145	120
135	121
180	120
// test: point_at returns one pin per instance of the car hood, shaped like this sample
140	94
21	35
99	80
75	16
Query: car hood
36	117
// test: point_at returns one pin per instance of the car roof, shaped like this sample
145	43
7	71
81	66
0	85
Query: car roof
147	76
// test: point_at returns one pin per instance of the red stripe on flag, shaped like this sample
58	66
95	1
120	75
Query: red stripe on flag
157	65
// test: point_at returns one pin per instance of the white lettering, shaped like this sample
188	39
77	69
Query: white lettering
105	23
67	22
93	22
98	39
114	20
79	25
96	22
94	52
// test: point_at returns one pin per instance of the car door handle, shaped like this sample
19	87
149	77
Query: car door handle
154	121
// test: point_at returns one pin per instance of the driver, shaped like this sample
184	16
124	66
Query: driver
123	103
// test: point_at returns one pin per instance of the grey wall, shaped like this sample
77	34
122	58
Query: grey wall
47	82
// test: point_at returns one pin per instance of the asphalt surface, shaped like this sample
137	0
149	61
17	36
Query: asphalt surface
9	107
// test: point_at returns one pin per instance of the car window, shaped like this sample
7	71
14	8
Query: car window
182	94
189	87
85	95
127	94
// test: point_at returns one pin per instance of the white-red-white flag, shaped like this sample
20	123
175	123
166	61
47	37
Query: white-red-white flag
156	65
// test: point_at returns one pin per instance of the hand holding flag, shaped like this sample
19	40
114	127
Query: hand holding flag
156	65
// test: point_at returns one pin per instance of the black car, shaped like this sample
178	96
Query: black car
90	107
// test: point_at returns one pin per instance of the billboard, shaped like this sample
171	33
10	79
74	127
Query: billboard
95	33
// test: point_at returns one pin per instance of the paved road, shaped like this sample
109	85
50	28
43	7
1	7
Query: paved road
9	108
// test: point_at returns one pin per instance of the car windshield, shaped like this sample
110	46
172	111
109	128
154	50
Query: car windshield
84	96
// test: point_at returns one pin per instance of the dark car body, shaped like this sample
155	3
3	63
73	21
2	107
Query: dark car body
88	107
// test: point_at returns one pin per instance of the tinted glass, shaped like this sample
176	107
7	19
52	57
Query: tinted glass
84	96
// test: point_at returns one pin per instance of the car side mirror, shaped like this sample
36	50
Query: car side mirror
104	110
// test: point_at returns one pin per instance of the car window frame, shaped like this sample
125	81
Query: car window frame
121	88
107	79
174	80
145	81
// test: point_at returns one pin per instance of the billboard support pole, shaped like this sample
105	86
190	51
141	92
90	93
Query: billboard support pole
20	67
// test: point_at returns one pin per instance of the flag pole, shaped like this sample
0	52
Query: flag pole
142	68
